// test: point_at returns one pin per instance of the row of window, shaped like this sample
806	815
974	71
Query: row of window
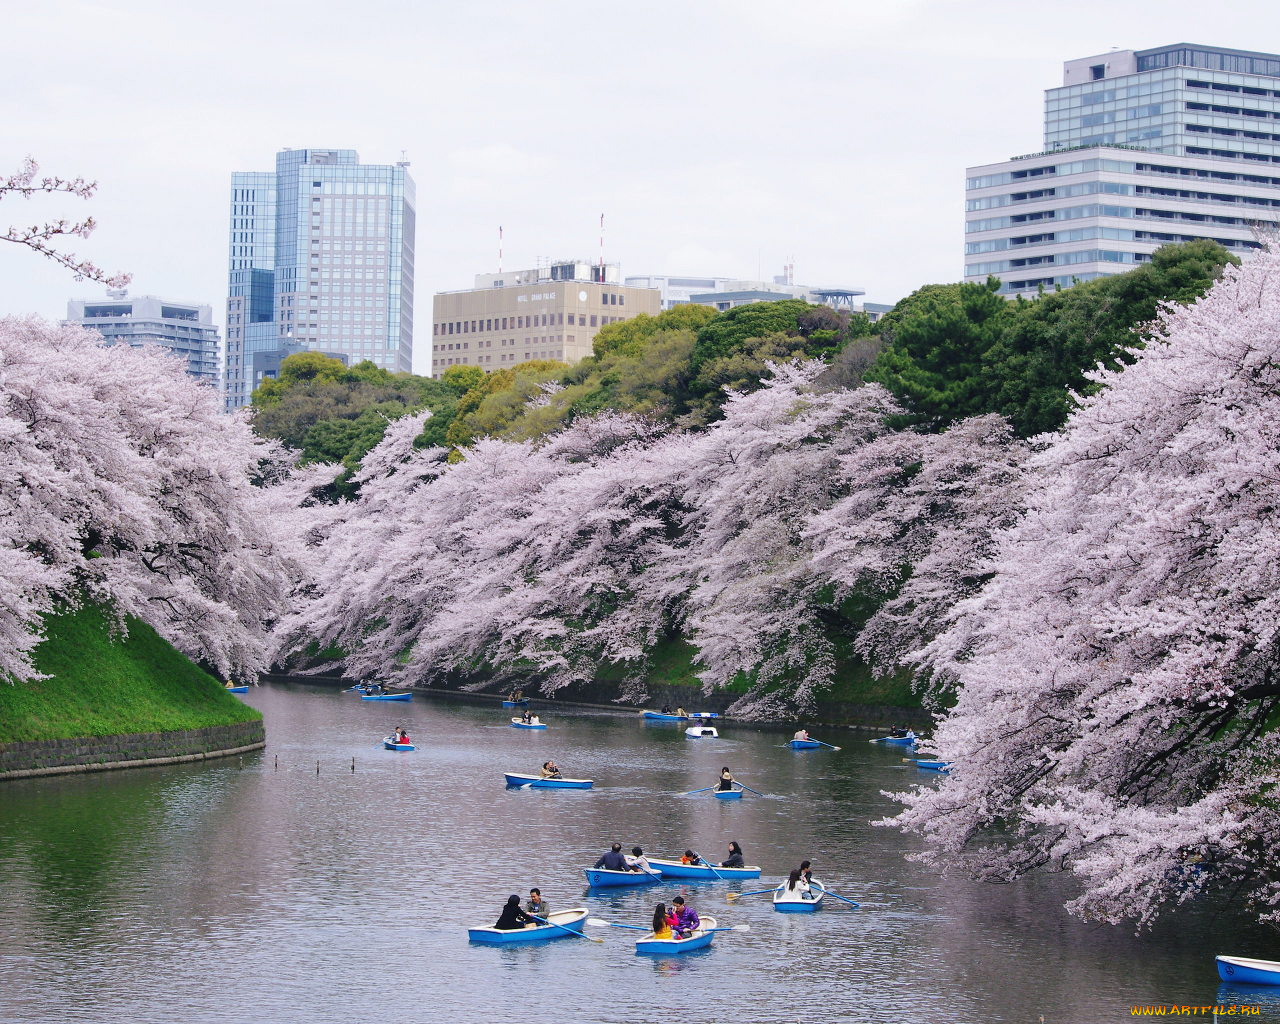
500	323
463	346
1103	210
1085	188
1116	234
1052	259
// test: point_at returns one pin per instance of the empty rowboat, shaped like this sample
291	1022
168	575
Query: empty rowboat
537	782
697	732
389	744
794	901
386	696
1248	970
569	921
930	765
700	939
520	723
603	878
705	872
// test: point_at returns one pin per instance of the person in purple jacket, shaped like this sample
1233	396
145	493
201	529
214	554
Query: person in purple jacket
687	920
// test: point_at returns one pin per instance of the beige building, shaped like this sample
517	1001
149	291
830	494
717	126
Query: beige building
551	312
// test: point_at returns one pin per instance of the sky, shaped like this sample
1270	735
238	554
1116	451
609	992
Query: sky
717	137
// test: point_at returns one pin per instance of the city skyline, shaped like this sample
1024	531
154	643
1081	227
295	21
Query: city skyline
717	140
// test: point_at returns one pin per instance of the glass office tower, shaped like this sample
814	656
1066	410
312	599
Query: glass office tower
321	258
1142	148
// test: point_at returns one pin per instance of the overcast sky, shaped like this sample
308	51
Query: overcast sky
718	137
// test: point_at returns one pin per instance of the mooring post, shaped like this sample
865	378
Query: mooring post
353	764
277	761
317	767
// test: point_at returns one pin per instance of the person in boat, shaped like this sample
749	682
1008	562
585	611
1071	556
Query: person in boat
613	860
681	713
512	916
666	708
898	733
796	882
691	858
516	695
534	720
526	717
687	920
806	871
726	779
400	737
551	770
802	734
372	689
637	861
662	922
535	905
735	859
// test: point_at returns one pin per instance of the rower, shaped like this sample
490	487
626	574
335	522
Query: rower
400	737
687	920
512	916
802	735
613	860
726	780
551	770
637	861
536	905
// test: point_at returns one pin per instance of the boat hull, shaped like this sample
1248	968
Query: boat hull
237	689
602	878
658	716
1248	970
647	945
516	703
804	744
540	783
517	724
391	745
926	765
794	903
697	732
704	714
728	794
386	696
900	741
674	869
573	919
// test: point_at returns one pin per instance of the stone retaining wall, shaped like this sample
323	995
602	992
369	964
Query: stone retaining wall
134	750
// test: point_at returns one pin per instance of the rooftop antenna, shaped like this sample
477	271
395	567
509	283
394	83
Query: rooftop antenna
499	248
602	247
404	159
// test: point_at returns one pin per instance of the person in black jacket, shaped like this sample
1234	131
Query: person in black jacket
613	860
512	916
735	857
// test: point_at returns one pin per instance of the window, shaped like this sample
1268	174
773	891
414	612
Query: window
1098	71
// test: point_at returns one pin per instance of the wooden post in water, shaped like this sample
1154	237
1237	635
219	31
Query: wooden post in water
353	764
317	767
277	761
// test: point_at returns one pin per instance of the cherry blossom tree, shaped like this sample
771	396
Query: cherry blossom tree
43	238
1118	682
122	482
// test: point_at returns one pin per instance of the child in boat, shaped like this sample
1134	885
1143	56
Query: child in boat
690	858
512	916
662	922
536	905
687	920
735	857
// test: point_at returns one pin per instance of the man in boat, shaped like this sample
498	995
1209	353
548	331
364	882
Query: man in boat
613	860
551	770
512	916
898	732
400	737
525	716
666	708
637	861
536	905
726	779
806	871
687	920
802	734
681	713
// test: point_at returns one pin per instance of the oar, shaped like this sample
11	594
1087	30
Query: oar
589	938
831	745
749	789
708	864
599	923
692	791
730	928
731	897
839	897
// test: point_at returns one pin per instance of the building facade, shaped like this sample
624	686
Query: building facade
1142	148
551	312
321	258
724	293
185	329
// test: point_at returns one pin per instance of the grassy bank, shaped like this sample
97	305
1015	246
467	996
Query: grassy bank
100	686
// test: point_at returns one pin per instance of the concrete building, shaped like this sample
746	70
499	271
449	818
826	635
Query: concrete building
321	258
185	329
550	312
728	293
1141	148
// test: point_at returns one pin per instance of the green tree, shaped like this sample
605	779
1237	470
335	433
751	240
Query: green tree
630	336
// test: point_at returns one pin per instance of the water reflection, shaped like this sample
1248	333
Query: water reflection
264	890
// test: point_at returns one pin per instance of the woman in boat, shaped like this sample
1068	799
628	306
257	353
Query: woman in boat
662	922
535	905
512	916
687	920
726	780
400	737
550	770
735	857
797	883
638	861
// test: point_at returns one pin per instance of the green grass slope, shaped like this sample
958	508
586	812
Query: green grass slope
104	686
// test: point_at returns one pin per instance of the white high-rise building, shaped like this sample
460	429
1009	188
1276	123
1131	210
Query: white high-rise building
1141	148
184	328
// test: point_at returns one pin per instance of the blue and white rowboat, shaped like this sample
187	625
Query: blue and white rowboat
705	714
537	782
571	919
931	765
601	878
727	794
804	744
519	723
386	696
1248	970
797	901
661	716
389	744
909	740
697	732
700	939
705	872
238	689
523	702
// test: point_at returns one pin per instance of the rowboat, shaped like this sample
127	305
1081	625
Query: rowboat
804	744
700	939
705	714
1246	969
930	765
571	919
522	703
909	740
727	794
389	744
602	878
238	689
697	732
538	782
519	723
386	696
661	716
794	901
706	872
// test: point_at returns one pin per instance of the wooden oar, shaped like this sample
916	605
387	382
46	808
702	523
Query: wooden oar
589	938
731	897
692	791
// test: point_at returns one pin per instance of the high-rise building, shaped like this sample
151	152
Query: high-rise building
551	312
321	258
184	328
1141	148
